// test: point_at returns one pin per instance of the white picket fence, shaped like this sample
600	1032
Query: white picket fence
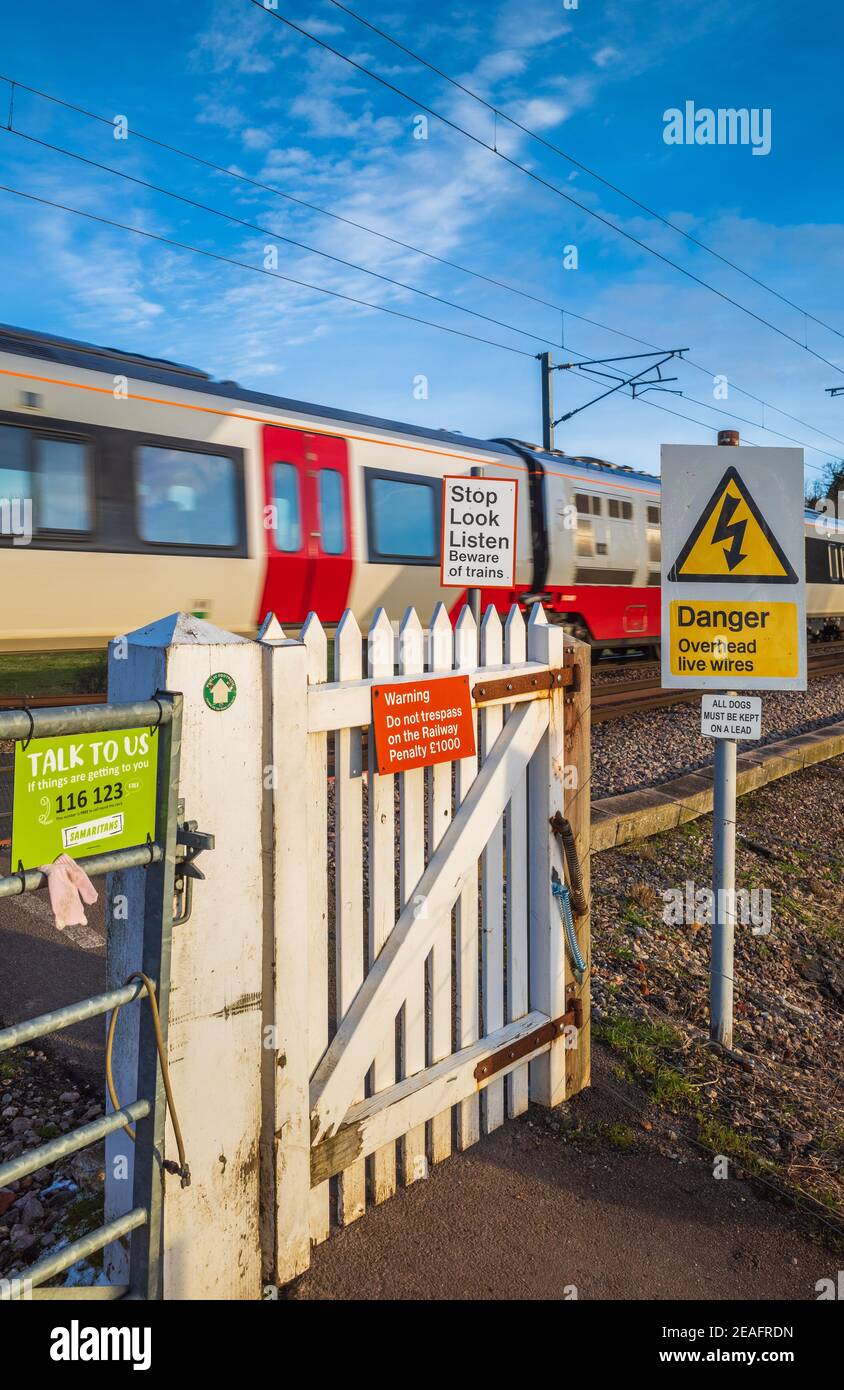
415	932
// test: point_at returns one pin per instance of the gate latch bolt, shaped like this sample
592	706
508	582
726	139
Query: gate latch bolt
190	843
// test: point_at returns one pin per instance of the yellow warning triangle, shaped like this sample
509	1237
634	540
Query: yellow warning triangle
732	542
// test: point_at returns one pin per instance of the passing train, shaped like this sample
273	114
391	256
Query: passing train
153	488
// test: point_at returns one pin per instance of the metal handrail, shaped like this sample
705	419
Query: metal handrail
95	866
80	1249
71	1142
53	1022
24	723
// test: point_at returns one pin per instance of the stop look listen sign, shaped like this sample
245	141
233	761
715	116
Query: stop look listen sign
733	568
479	533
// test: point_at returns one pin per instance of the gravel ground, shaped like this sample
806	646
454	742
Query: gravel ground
39	1102
645	749
784	1119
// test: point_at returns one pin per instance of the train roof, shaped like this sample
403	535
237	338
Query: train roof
51	348
95	357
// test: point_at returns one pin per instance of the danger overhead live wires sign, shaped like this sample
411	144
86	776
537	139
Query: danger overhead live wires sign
733	605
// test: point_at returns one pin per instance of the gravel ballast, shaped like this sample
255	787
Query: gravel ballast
784	1118
645	749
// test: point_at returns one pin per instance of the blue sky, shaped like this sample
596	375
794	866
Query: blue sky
228	82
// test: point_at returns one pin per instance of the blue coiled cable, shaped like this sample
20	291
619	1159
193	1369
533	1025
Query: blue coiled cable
563	896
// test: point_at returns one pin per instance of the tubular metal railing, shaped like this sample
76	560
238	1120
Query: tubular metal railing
148	1112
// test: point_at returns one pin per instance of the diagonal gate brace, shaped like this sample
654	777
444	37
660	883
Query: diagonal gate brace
338	1076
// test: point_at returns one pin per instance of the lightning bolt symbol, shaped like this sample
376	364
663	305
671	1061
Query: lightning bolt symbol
728	530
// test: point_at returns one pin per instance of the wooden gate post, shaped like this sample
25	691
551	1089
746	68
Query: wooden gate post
546	796
286	1144
578	810
211	1228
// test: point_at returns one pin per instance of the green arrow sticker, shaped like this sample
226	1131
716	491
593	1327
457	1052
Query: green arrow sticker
219	691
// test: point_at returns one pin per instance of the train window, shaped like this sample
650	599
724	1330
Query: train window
185	498
403	517
615	507
63	488
621	510
287	532
588	505
653	516
331	521
14	472
53	473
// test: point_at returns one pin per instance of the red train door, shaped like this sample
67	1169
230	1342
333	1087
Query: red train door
307	524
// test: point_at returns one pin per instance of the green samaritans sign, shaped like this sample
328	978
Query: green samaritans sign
83	794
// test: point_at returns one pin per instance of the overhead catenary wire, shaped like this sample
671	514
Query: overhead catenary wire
351	265
256	269
278	236
543	182
276	275
585	168
441	260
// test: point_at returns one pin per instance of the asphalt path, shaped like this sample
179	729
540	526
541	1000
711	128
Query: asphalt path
42	969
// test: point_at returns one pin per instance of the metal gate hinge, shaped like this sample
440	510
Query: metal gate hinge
561	677
538	1038
190	843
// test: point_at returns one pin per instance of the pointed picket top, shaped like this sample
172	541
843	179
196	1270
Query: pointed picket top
492	645
348	648
314	638
411	643
465	640
537	616
381	646
271	630
515	635
440	640
180	630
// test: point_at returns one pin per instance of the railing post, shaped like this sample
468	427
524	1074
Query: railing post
578	810
546	796
145	1266
212	1246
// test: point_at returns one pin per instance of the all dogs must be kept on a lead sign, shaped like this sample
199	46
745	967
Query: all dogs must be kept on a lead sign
733	568
479	533
731	716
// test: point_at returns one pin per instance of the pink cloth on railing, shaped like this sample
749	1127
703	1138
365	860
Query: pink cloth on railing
68	885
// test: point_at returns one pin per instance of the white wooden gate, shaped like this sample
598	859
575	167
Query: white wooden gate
420	987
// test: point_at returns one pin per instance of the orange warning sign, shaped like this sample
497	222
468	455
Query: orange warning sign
419	723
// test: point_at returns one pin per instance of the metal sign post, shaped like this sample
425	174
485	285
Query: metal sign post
733	619
724	892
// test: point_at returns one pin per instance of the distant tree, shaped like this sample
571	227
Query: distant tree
829	484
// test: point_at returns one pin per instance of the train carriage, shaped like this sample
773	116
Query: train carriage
131	487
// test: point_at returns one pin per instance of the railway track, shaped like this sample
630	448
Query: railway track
611	698
617	699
